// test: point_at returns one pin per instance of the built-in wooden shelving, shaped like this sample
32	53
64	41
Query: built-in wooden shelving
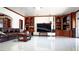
64	25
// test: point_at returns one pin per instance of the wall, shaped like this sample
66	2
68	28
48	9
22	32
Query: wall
15	17
77	24
43	20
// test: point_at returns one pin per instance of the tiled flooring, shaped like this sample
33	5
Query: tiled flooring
42	43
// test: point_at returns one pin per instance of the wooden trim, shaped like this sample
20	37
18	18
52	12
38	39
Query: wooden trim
21	24
44	16
14	11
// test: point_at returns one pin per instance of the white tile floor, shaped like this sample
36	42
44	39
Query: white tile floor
42	43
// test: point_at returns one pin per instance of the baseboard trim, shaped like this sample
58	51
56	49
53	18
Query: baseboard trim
45	35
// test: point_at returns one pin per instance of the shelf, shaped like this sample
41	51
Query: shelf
29	23
58	23
67	23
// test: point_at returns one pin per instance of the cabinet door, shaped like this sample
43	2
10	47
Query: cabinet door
68	33
59	33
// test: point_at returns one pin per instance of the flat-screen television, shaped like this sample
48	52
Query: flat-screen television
44	27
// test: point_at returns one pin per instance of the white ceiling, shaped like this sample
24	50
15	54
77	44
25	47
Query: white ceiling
32	11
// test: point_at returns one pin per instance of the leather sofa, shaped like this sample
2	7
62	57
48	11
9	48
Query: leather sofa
10	33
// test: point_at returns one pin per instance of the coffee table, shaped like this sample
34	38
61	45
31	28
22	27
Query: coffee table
23	37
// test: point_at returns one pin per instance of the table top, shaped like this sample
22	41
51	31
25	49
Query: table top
23	34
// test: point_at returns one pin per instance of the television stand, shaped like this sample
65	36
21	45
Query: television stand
42	33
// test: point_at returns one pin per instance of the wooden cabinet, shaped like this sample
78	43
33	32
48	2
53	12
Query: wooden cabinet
29	24
65	26
59	26
6	23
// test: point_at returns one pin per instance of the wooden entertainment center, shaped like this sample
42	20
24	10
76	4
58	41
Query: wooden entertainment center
65	25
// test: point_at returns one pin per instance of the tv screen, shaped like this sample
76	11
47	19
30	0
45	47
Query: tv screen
44	27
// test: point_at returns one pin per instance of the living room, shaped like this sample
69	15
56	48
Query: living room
43	28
